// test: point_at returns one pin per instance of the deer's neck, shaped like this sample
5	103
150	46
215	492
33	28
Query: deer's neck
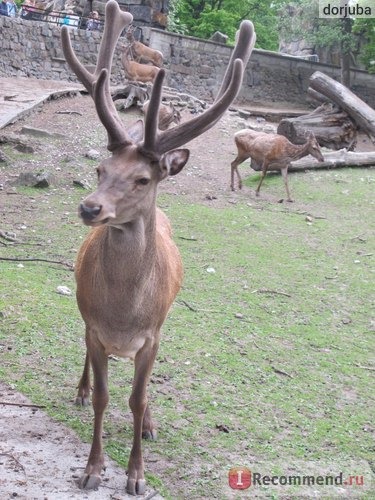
129	251
296	151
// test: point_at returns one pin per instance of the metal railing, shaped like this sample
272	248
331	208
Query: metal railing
73	20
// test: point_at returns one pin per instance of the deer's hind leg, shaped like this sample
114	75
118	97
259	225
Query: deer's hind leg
234	169
262	176
84	386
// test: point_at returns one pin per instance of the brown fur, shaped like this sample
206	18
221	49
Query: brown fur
270	152
167	115
135	71
128	269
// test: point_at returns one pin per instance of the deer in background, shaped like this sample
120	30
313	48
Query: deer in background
167	115
141	53
270	152
128	269
135	71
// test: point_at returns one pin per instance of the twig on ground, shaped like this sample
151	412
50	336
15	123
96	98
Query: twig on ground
183	302
69	113
281	372
25	405
187	239
35	259
9	455
371	368
275	292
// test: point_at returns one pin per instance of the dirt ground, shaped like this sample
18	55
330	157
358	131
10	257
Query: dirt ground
40	459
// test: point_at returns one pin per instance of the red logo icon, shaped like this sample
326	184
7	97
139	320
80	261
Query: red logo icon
239	478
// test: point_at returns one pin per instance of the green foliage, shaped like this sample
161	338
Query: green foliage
202	18
327	33
366	28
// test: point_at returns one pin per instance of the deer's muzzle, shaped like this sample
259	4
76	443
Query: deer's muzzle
88	213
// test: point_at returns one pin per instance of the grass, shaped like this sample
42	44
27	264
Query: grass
267	354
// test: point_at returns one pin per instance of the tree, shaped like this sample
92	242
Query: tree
365	28
202	18
325	32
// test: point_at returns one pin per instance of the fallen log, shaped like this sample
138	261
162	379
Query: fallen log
133	94
332	127
359	111
334	159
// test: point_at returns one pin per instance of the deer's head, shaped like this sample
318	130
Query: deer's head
142	155
314	148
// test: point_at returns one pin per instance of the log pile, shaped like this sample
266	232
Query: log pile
335	122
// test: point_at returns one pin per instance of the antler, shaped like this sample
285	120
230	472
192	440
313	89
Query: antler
177	136
97	83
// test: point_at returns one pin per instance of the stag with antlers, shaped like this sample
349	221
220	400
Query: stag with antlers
128	269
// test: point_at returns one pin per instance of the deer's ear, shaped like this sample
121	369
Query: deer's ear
135	131
173	162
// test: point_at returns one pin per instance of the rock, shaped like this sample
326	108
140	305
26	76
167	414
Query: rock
34	179
92	154
39	132
219	37
63	290
24	148
3	157
82	183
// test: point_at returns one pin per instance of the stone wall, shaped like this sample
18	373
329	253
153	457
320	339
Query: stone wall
195	66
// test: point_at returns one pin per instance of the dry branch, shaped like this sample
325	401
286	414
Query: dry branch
35	259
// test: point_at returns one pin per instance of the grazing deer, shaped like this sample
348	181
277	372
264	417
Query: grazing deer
128	269
141	53
167	115
135	71
270	152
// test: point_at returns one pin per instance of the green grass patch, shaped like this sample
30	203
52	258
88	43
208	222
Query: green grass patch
266	355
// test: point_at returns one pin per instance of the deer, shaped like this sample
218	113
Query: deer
272	152
128	270
167	115
135	71
142	53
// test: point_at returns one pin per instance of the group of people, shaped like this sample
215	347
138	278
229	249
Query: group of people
29	11
8	8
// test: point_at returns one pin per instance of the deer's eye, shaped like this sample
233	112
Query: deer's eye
142	181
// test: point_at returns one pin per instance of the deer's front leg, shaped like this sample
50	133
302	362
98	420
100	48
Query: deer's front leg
284	173
99	361
144	361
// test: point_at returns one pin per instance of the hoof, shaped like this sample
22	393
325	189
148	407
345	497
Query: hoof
150	435
82	401
89	482
134	487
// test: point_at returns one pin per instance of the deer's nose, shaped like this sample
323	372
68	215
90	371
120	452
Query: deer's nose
89	213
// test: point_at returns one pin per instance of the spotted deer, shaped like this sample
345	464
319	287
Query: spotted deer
270	152
128	269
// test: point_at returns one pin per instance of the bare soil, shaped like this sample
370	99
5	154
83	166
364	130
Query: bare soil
40	459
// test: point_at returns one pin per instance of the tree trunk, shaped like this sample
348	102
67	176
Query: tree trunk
337	159
331	127
359	111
